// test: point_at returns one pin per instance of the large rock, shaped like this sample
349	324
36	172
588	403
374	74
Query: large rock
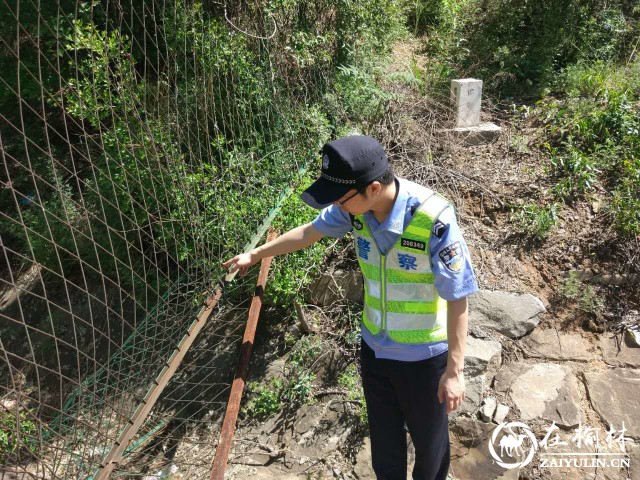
482	357
618	352
554	345
511	314
634	463
542	390
362	468
331	287
614	395
477	463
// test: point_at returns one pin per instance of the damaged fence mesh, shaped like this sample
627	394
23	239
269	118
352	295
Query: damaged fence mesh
142	143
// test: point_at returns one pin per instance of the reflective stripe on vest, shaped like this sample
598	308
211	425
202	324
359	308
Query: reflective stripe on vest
400	297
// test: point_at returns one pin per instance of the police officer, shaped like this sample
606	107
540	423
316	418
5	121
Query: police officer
417	275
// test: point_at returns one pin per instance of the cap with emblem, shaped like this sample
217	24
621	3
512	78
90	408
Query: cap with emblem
347	163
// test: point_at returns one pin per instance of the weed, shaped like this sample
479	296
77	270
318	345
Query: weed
625	203
305	351
264	399
18	435
297	390
519	144
577	171
586	296
534	220
569	288
350	381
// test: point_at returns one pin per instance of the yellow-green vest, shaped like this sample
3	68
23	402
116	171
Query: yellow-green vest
399	293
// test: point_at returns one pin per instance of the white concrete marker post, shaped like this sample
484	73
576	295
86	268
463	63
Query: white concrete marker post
466	99
466	95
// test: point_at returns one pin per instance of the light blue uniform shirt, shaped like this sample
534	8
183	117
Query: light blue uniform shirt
451	283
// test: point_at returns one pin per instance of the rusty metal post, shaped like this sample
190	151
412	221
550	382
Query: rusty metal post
231	415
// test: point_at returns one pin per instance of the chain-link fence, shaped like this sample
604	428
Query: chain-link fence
142	143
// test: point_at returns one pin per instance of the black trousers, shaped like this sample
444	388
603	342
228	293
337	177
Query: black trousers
406	392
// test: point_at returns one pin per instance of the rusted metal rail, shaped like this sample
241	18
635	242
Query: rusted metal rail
115	455
231	415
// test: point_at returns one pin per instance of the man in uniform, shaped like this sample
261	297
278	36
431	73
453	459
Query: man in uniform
417	274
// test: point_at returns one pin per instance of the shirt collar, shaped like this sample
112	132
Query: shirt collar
395	220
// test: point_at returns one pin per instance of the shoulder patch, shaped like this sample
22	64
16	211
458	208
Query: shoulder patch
452	257
439	228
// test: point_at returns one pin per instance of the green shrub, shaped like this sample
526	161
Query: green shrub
534	220
625	203
306	351
350	381
577	173
298	387
292	272
18	435
264	400
596	130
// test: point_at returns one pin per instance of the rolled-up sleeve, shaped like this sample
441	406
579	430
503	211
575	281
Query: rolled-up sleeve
332	221
454	277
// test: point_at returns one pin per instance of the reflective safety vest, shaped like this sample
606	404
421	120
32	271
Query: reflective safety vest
399	293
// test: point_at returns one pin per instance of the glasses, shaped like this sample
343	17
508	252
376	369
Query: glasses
342	202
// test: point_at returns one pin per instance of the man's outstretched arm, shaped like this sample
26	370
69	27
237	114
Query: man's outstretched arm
291	241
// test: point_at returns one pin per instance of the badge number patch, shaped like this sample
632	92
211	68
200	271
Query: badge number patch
405	242
452	257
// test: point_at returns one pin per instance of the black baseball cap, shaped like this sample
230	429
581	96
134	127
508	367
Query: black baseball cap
349	162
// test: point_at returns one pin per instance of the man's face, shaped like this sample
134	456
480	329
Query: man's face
355	203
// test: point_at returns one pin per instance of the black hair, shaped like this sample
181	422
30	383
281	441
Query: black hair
385	179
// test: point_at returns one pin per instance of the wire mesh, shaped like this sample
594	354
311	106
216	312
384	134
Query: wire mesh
142	143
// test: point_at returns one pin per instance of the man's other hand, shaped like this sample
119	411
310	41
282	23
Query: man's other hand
451	390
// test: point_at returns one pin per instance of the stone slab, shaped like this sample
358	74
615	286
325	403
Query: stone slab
511	314
482	356
542	390
502	411
488	409
619	352
553	345
615	396
479	135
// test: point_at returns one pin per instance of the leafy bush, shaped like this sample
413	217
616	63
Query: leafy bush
597	134
625	203
18	435
292	272
534	220
520	46
297	390
576	171
264	400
